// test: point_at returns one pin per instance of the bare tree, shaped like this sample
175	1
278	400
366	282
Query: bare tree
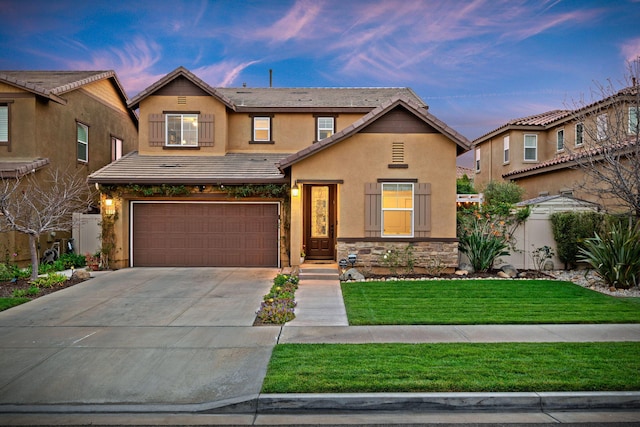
609	155
36	205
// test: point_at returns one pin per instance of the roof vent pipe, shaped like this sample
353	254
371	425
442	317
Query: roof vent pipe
270	77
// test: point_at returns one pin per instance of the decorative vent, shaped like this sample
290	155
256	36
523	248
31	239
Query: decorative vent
397	152
182	100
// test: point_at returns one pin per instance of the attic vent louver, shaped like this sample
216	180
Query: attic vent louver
182	100
397	152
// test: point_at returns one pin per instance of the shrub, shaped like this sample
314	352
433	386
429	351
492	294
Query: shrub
540	255
483	248
464	185
616	257
69	260
501	196
57	265
50	280
21	293
570	229
278	305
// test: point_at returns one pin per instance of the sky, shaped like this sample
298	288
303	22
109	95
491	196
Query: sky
476	63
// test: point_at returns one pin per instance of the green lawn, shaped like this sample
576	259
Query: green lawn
6	303
503	367
456	302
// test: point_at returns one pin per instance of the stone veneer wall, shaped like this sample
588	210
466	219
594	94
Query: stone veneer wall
425	253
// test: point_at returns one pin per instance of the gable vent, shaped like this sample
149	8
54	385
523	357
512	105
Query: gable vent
182	100
397	152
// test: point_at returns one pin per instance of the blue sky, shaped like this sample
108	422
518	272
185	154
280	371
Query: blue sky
477	63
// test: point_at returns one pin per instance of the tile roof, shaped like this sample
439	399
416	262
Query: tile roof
52	84
537	120
462	171
16	168
417	109
232	168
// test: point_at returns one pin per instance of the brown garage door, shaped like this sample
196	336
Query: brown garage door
205	234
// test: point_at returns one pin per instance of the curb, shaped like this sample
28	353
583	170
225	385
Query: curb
359	402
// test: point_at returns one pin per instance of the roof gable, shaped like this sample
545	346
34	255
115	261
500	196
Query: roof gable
416	110
178	78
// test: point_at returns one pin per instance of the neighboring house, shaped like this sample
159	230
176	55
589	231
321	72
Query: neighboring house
541	152
255	176
74	120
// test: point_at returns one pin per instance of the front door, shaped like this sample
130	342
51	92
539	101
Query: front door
319	221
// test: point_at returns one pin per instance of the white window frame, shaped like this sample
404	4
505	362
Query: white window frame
602	126
4	124
634	112
328	126
181	141
397	209
579	135
256	119
560	140
116	148
534	147
477	160
505	149
82	144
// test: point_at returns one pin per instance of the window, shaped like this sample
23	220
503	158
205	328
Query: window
4	124
560	140
601	126
325	126
181	129
262	129
505	145
633	120
579	134
477	160
531	148
397	209
83	142
116	148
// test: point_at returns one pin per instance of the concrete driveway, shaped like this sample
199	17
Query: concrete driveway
137	338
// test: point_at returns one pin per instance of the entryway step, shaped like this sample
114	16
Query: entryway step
319	272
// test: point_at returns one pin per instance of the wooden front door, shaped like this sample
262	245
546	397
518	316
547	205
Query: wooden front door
320	221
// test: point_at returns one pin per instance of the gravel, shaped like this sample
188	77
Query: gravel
589	279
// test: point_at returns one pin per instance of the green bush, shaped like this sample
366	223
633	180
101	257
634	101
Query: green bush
483	248
278	305
21	293
50	280
10	271
570	229
464	185
616	257
72	260
499	197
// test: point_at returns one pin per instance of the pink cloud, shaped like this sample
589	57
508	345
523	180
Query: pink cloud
222	74
290	26
631	49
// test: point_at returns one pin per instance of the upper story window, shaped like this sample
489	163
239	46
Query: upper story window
325	127
602	126
262	129
579	134
633	120
560	140
83	142
181	129
116	148
4	124
531	148
505	149
397	209
477	160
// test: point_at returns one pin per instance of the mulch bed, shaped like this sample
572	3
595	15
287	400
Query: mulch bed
492	274
7	288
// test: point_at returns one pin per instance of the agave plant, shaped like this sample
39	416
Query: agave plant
615	256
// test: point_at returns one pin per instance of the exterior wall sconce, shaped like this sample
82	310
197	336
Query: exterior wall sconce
109	207
295	191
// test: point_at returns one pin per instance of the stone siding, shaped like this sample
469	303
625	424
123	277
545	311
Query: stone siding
424	253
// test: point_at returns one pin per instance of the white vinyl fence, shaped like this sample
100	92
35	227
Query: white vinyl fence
86	233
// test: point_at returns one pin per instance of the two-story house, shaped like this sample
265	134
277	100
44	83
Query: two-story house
258	176
542	153
68	120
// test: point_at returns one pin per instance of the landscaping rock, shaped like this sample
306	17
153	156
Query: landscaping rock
352	274
503	275
82	274
548	265
465	266
461	273
510	270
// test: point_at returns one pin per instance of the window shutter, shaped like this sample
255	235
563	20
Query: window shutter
422	210
156	130
205	130
372	209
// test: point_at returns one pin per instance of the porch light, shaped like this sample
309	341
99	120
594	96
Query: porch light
295	191
109	208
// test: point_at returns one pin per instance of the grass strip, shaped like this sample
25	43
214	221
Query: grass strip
499	367
469	302
6	303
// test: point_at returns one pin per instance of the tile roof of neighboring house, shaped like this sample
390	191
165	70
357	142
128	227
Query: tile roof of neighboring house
542	199
247	99
417	109
567	160
16	168
53	84
462	171
539	120
233	168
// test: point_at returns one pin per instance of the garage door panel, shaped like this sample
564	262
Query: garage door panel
205	234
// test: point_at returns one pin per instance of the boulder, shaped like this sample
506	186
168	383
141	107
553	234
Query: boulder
548	265
503	275
465	266
352	274
461	273
510	270
82	274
